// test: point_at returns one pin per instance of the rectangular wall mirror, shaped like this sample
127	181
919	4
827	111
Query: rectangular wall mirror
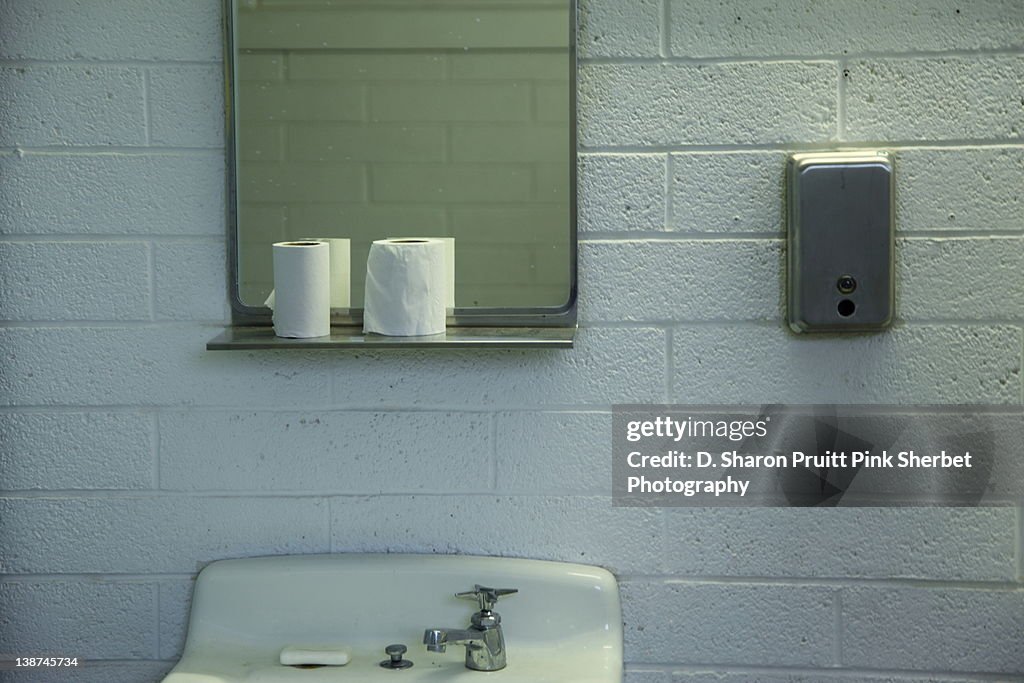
371	119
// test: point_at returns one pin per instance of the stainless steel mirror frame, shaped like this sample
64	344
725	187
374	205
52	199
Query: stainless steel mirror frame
241	314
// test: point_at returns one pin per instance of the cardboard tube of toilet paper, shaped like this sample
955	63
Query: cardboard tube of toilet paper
341	270
406	287
449	255
302	294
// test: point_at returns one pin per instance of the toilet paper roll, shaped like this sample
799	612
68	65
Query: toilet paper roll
406	287
449	255
301	299
341	270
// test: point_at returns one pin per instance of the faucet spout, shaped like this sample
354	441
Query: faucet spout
484	640
485	647
438	639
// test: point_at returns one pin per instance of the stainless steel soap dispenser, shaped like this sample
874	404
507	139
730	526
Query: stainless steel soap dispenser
840	241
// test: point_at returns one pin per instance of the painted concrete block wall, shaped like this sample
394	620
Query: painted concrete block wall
130	456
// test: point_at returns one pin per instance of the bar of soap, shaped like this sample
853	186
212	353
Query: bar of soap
296	655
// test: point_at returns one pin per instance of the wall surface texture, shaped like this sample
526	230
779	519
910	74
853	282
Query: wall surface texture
130	456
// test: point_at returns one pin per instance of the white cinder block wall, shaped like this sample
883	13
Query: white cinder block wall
131	456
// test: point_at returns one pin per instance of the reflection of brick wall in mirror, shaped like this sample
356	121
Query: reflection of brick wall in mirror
366	120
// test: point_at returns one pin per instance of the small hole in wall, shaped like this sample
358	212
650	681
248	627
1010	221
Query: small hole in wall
846	308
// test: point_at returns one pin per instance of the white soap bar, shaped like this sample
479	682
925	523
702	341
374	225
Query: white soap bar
295	655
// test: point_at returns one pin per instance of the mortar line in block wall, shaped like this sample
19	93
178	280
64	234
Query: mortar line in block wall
1006	409
216	325
330	524
1020	541
777	236
126	238
598	491
717	150
654	237
265	494
670	365
664	19
143	495
112	63
548	409
151	267
837	635
909	55
663	523
156	620
299	494
331	393
212	325
999	585
317	409
967	144
1011	409
155	448
814	673
147	108
78	409
493	451
670	206
842	70
93	577
583	148
552	408
797	582
664	30
776	322
113	151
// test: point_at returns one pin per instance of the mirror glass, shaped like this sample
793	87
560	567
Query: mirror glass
371	119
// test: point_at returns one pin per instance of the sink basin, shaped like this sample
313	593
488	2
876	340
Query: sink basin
564	625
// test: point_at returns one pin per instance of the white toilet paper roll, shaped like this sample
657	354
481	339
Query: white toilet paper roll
449	255
341	270
302	294
406	287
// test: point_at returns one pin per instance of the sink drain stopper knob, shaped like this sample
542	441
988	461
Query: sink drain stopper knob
395	652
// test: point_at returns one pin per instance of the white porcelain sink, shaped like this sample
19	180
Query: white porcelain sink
564	625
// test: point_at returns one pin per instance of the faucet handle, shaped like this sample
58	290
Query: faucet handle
487	597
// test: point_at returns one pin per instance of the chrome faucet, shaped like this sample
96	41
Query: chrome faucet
484	641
